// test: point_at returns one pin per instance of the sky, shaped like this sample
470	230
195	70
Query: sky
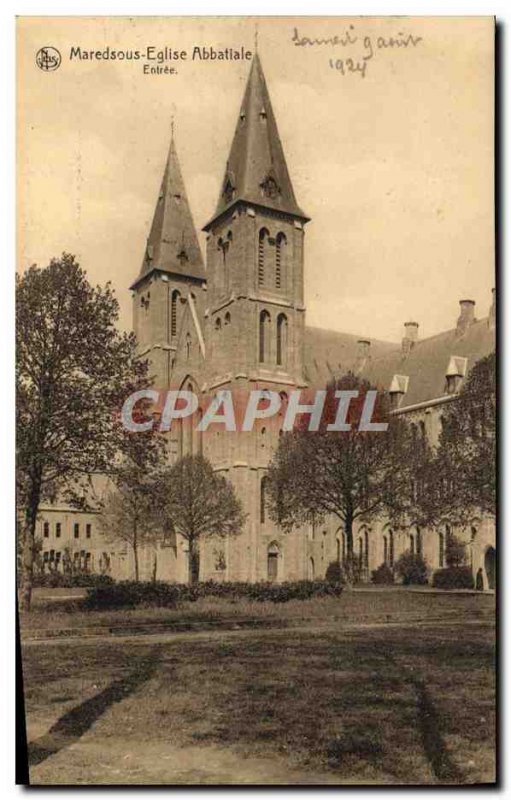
394	166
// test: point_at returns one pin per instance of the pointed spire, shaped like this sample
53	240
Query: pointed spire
256	169
172	245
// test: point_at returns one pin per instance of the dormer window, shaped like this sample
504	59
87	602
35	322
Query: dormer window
270	186
242	116
456	371
452	383
262	113
182	256
228	192
397	390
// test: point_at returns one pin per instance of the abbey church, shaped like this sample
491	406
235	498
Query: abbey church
238	322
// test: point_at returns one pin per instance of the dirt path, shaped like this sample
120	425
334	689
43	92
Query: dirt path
92	761
170	637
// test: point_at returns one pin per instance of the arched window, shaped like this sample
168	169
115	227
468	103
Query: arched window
227	260
273	554
412	544
281	339
391	547
261	255
385	550
188	346
218	324
264	339
263	499
441	548
227	319
338	549
419	542
186	431
224	246
366	549
197	445
280	245
311	569
173	312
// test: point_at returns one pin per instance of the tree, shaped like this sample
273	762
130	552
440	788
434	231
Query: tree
74	371
455	554
461	475
198	504
412	568
353	475
129	511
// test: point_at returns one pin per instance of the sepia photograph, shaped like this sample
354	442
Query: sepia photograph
256	310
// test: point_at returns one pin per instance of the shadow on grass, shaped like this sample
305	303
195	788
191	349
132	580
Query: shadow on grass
432	740
74	723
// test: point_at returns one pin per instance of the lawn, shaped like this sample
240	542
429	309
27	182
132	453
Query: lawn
383	703
378	605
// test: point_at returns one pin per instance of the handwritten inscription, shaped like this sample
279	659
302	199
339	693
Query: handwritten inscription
359	51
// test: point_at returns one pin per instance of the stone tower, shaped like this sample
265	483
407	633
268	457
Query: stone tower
255	318
169	293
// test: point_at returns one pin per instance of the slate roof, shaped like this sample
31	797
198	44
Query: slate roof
427	363
173	245
328	353
256	170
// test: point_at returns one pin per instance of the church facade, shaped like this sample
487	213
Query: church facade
238	323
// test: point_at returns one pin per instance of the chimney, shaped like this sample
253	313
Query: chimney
466	317
364	353
493	311
410	337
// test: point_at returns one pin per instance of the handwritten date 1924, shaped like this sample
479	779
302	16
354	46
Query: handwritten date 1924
350	40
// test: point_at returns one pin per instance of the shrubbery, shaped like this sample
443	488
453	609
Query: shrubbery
334	573
453	578
129	594
351	569
412	569
57	580
382	575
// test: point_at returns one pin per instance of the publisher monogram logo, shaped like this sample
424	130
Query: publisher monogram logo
48	59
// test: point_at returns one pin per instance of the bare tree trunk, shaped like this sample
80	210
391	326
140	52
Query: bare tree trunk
135	549
350	559
348	529
193	562
27	566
